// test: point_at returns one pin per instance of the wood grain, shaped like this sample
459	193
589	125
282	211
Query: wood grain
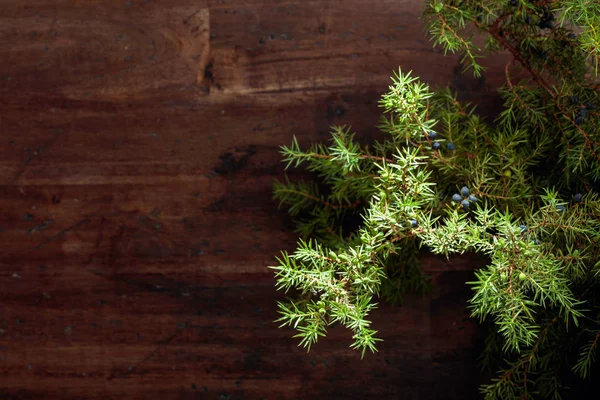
138	147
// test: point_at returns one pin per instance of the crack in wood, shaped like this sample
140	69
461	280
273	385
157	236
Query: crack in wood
62	232
37	152
162	344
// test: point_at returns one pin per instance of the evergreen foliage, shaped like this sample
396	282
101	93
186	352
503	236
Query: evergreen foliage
522	189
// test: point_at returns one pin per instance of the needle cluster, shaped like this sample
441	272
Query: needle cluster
522	189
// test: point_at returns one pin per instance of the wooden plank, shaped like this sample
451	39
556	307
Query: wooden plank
138	147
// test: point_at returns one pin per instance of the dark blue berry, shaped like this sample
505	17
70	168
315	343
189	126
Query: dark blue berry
583	113
432	135
456	198
441	195
465	204
414	223
450	146
436	145
546	20
574	99
590	106
571	36
480	18
579	120
548	16
464	191
577	198
473	198
523	228
527	19
560	208
513	3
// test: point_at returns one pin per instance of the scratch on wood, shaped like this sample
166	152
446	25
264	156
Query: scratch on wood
62	233
161	345
49	144
186	20
40	227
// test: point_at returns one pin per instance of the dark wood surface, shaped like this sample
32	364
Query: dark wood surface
138	146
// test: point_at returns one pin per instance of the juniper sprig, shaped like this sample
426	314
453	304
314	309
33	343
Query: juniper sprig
521	190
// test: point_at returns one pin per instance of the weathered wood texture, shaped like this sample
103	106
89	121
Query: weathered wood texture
138	147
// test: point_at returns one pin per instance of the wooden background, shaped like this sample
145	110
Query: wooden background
138	146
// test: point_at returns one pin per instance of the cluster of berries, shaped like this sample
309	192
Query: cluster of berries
524	230
464	198
437	145
577	197
547	20
583	112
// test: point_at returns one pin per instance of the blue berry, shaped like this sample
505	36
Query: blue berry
543	54
456	198
432	135
546	21
584	113
513	3
450	146
465	204
441	195
472	198
577	197
579	120
436	145
464	191
590	106
560	208
523	228
574	99
571	36
414	223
